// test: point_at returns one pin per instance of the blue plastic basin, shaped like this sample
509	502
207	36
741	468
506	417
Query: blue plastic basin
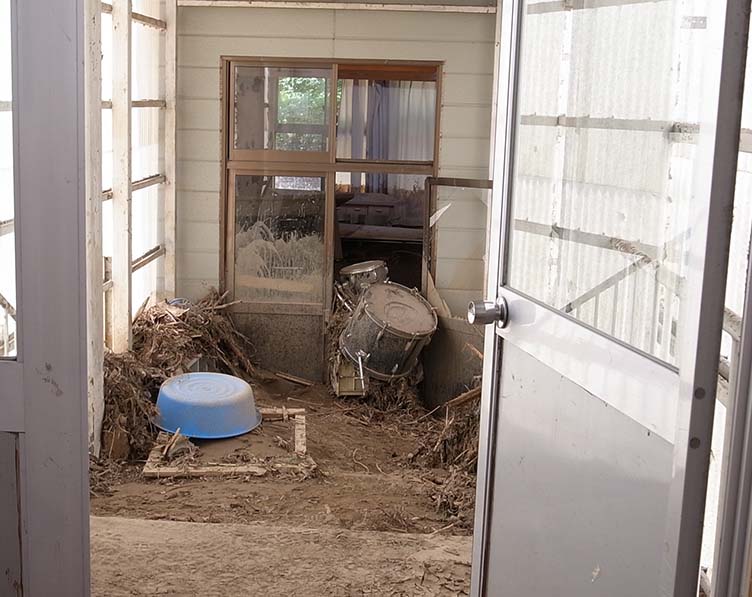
207	406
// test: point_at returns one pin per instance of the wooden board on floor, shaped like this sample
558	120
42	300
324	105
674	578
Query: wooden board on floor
156	468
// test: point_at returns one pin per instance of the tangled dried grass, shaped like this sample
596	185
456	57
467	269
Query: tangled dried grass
166	340
170	337
453	444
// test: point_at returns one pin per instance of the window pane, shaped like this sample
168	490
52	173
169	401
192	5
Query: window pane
146	144
386	120
279	238
602	187
145	218
381	216
146	63
282	109
106	56
7	228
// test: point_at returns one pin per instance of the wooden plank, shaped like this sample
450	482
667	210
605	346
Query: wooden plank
7	227
294	379
7	307
121	176
386	233
277	413
170	150
145	259
138	185
300	435
148	21
461	8
147	182
94	258
156	468
149	103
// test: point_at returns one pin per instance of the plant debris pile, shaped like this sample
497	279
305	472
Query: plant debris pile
452	444
449	443
167	338
170	337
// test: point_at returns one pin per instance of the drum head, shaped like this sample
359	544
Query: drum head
396	305
361	268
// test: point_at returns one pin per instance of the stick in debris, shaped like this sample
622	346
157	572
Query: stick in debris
294	379
173	440
464	397
474	351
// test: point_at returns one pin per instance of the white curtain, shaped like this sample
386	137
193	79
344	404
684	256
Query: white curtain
387	120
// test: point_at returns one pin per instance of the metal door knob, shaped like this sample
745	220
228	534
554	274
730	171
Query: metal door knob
487	312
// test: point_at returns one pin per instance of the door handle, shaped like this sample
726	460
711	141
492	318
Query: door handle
487	312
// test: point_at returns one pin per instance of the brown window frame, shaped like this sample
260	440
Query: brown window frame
274	162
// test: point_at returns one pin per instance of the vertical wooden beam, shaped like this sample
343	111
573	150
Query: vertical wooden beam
170	154
94	260
121	176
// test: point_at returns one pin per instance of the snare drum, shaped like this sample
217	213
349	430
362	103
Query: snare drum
388	330
360	276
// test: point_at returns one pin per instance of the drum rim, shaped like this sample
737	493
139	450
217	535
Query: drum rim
377	263
397	332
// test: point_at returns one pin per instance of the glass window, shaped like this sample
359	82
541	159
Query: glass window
602	188
146	142
381	216
7	227
281	109
386	120
279	238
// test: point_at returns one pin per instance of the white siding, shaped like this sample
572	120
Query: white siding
464	41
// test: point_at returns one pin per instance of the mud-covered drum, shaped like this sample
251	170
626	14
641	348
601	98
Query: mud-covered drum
389	327
360	276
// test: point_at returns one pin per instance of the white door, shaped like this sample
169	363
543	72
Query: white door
44	507
616	142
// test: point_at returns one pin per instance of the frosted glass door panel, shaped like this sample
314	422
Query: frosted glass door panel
605	155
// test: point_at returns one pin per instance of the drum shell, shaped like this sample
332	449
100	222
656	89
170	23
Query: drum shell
390	354
361	280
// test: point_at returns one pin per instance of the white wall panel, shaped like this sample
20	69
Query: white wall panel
464	41
198	82
199	114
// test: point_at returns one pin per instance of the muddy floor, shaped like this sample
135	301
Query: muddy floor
366	482
213	560
365	479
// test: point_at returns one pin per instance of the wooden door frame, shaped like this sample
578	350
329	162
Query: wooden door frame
332	166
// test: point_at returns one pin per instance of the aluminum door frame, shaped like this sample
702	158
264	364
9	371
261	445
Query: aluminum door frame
703	310
43	391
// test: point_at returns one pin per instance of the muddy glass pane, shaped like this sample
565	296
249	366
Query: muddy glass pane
7	235
458	224
386	120
603	180
381	216
282	109
279	239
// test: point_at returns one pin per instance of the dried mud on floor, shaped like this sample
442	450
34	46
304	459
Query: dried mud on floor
139	558
365	480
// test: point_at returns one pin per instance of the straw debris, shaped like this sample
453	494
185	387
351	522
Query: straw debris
167	339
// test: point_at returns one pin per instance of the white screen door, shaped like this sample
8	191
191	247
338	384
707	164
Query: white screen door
616	139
